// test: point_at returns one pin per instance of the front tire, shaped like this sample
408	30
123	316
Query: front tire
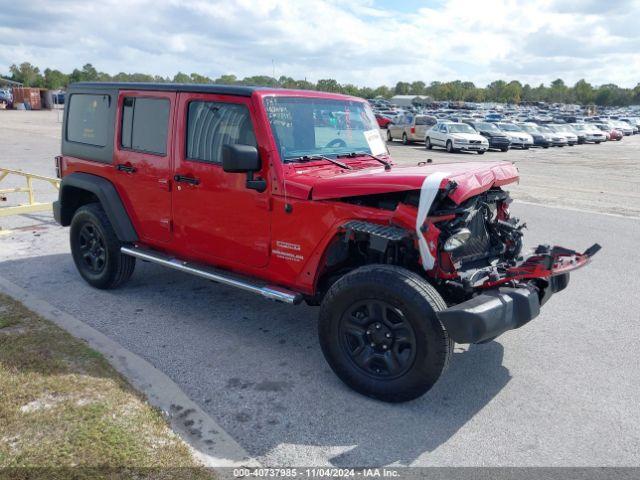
380	333
449	146
405	139
427	143
389	137
95	249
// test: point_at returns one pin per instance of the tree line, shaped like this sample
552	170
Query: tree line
501	91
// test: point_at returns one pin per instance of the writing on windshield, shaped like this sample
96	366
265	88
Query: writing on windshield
304	127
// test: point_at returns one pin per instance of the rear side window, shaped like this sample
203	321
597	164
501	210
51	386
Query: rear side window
88	119
210	125
144	124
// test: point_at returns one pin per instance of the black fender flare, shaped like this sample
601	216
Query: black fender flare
106	193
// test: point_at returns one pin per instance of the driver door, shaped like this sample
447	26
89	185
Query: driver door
217	219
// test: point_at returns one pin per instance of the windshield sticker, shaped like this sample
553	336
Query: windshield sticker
374	139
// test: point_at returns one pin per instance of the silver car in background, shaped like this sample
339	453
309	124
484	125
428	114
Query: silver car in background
519	138
456	137
590	132
572	138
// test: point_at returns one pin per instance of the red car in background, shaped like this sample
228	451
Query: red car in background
383	121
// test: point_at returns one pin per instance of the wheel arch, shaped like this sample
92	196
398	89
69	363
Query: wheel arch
351	236
78	189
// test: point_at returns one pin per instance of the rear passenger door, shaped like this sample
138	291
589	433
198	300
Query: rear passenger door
143	161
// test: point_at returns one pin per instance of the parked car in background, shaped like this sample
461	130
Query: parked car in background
589	133
497	139
410	128
519	138
383	120
540	138
6	99
572	138
624	127
493	117
455	137
578	132
557	140
609	130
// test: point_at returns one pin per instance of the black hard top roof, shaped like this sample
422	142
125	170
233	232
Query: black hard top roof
241	90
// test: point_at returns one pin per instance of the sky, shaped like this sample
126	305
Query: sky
364	42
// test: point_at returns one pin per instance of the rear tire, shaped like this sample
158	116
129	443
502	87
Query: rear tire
380	333
96	249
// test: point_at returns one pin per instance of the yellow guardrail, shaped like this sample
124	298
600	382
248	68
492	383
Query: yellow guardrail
32	206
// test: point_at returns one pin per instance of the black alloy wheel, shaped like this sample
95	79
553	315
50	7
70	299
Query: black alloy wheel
92	248
378	339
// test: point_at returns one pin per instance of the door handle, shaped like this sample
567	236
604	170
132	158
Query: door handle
189	180
126	167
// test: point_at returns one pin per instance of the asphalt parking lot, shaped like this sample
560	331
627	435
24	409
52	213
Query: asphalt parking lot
561	391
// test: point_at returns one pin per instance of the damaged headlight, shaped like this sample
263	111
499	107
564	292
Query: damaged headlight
456	240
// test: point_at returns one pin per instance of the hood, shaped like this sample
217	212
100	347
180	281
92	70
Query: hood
468	136
322	183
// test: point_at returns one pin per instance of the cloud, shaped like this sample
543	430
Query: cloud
364	42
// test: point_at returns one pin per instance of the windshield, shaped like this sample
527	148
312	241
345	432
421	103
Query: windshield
509	127
489	127
460	128
529	128
308	127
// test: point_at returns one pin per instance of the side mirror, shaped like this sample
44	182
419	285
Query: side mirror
238	158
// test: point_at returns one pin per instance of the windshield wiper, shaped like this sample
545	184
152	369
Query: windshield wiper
310	158
387	165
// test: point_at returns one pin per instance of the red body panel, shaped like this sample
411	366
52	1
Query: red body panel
221	222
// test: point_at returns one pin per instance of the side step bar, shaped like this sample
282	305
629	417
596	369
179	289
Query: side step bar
268	291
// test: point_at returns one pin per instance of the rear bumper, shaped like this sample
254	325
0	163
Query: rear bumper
498	310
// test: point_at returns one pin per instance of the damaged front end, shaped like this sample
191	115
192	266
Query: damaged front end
470	249
479	267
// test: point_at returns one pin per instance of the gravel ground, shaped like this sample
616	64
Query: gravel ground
561	391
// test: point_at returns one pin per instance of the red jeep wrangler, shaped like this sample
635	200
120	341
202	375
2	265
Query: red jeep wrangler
292	195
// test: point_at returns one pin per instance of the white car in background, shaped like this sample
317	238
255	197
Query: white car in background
519	138
572	138
624	127
455	137
590	132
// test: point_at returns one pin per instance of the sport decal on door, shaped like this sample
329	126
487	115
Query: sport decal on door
287	251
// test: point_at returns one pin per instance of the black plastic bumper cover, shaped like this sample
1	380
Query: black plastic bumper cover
495	311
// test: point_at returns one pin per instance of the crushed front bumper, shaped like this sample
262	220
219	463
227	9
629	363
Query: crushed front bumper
500	308
497	310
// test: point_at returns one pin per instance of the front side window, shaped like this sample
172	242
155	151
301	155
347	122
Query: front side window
319	126
88	118
144	124
210	125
